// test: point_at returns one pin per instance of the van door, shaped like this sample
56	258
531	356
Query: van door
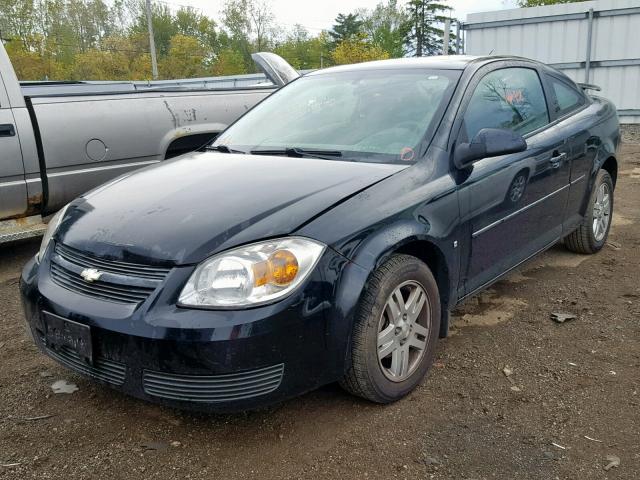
13	187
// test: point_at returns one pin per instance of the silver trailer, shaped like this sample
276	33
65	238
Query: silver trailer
60	139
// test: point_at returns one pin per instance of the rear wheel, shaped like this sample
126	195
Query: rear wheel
395	331
592	233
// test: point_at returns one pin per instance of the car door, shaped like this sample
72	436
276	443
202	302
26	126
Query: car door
13	188
512	205
567	100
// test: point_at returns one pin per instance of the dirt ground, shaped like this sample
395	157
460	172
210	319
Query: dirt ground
571	401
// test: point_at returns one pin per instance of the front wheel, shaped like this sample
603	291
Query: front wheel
592	233
395	331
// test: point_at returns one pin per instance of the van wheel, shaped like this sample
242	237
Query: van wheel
395	331
592	233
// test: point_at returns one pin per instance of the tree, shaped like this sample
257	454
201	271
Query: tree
356	50
97	64
18	20
108	39
303	51
27	65
261	21
387	26
347	27
424	36
164	25
132	51
190	23
186	58
249	27
229	62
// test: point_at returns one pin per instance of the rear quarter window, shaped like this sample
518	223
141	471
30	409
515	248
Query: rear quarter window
567	97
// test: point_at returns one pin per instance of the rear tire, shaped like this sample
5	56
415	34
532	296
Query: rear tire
395	331
592	233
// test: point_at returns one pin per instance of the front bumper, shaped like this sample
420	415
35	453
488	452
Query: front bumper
206	360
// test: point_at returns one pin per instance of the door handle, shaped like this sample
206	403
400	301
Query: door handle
7	130
557	159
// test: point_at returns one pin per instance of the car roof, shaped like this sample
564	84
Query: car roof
442	62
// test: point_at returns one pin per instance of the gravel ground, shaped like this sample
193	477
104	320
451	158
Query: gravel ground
630	133
570	401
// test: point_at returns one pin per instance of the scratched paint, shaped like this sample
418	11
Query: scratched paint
174	117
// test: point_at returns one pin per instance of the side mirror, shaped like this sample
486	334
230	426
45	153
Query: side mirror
488	142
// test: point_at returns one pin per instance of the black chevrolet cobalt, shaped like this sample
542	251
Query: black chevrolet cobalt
326	234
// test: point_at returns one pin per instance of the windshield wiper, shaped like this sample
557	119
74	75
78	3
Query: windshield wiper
299	152
223	149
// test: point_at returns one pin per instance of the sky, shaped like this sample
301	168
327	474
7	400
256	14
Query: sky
317	15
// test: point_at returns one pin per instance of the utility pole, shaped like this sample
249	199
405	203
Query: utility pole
446	34
152	43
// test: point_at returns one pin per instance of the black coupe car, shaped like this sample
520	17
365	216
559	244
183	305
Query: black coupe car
326	234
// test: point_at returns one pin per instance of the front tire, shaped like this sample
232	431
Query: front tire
395	331
592	233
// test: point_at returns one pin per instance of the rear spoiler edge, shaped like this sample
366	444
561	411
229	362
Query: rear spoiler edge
589	86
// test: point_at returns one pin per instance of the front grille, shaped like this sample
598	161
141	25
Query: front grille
122	268
120	282
102	369
213	388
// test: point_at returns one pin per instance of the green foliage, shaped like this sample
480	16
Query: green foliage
108	39
303	51
425	37
249	26
347	27
164	25
230	62
187	58
387	26
357	49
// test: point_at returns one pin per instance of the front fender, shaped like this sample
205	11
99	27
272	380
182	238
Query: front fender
415	211
373	250
363	255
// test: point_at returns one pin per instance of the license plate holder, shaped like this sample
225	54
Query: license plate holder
61	332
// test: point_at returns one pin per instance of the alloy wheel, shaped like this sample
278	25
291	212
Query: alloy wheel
403	331
601	212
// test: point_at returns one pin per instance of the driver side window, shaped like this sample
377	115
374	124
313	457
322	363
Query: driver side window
509	98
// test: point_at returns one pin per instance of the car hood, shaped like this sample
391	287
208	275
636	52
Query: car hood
183	210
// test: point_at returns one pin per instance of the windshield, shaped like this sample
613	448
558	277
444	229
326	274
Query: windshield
363	115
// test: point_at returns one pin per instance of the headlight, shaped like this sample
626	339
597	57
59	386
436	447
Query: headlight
53	225
253	274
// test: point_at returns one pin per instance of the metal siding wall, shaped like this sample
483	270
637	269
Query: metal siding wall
615	37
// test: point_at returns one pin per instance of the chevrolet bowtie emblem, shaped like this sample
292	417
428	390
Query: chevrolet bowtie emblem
90	275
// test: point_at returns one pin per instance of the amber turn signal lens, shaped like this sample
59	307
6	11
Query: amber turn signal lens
261	274
279	269
284	267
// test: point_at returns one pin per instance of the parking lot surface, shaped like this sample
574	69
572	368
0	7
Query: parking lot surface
512	395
